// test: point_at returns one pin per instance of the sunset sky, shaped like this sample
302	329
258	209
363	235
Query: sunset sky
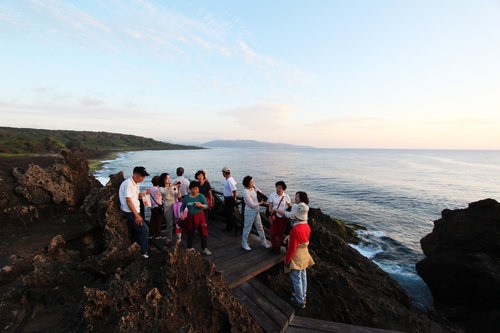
340	74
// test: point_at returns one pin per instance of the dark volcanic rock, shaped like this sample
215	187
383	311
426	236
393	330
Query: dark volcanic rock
462	264
346	287
88	277
91	278
37	192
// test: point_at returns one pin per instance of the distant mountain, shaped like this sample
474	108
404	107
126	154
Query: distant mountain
247	144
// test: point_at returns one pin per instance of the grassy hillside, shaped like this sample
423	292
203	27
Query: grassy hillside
21	141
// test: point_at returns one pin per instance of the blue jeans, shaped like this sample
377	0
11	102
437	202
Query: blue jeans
299	282
252	217
140	233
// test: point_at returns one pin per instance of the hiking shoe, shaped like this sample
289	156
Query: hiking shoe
297	304
246	247
265	244
145	256
292	299
207	252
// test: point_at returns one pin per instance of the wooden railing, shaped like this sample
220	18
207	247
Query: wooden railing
239	209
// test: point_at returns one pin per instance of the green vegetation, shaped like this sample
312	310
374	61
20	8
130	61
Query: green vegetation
21	141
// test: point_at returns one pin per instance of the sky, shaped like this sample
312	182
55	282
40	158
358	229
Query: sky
335	74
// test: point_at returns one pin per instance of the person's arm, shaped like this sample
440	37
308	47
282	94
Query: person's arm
202	202
210	198
250	201
183	206
283	213
130	204
292	246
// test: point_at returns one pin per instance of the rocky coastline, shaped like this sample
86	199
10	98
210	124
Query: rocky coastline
68	265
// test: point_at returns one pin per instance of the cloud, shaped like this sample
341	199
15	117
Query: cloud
145	28
261	117
91	101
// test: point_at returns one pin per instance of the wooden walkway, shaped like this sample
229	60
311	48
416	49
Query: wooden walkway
239	267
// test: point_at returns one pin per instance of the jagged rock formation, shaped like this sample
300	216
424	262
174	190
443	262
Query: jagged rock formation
94	280
36	192
346	287
73	268
462	265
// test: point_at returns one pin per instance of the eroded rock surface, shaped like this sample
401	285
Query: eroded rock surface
462	264
73	268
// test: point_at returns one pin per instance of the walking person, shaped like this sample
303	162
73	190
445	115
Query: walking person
229	193
278	200
156	208
170	195
129	205
297	258
251	214
195	219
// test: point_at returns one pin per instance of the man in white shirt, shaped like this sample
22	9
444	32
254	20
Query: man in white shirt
130	206
229	194
182	181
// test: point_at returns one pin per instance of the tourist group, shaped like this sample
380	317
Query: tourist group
183	205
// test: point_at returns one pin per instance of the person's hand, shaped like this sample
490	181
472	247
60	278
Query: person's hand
138	220
182	216
286	239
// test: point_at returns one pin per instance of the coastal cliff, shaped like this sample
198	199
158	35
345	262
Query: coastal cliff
462	265
68	265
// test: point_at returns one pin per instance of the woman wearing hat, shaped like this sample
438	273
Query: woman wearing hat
297	258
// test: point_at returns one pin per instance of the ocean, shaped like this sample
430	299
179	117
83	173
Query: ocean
395	194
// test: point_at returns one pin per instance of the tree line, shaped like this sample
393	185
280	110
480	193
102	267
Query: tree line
44	141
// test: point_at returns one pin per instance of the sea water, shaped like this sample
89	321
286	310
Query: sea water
395	194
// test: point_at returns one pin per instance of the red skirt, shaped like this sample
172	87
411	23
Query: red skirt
194	222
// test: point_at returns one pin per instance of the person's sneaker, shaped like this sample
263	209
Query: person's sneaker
145	256
297	304
207	252
246	247
265	244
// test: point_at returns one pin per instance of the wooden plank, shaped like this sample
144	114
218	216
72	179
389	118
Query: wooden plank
310	325
281	305
237	277
257	295
266	323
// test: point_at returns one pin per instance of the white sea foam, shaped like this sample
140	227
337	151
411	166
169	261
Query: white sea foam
367	250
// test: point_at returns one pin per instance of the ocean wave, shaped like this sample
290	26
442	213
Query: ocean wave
367	250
